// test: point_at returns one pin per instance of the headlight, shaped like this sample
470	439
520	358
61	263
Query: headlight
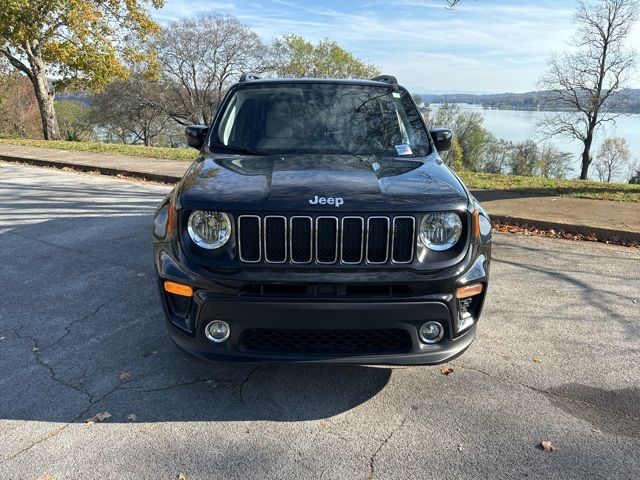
209	230
440	231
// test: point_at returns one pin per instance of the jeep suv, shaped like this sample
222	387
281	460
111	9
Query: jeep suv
319	224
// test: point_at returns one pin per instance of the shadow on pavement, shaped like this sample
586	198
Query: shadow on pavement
82	330
616	412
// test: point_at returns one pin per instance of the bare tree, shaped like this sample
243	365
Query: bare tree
597	70
199	58
613	159
524	158
553	163
128	109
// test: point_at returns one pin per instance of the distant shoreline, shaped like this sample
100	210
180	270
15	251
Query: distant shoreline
624	103
518	108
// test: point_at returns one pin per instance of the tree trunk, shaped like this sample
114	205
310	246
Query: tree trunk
586	155
45	98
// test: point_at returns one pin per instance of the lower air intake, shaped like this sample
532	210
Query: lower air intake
325	341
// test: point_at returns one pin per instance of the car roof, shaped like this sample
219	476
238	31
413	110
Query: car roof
336	81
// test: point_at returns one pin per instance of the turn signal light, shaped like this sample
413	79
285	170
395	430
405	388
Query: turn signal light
178	288
469	291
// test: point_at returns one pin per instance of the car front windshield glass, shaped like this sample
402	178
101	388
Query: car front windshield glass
320	118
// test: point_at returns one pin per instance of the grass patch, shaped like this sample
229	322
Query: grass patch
619	192
188	154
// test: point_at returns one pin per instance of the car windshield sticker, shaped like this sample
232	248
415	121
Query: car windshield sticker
396	94
403	149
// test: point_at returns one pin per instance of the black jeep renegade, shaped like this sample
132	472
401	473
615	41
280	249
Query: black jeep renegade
319	224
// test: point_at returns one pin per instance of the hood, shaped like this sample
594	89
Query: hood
320	183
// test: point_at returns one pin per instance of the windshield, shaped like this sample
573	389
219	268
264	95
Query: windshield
320	118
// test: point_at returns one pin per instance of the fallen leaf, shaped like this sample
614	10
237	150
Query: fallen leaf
212	382
536	360
46	477
133	417
182	476
547	446
446	371
81	381
99	417
35	349
459	447
125	376
324	424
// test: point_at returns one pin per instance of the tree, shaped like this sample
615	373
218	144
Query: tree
612	159
496	154
455	155
19	115
634	170
597	70
200	58
76	42
552	162
466	127
74	120
297	57
130	110
524	158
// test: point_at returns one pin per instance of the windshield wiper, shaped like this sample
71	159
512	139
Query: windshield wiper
231	148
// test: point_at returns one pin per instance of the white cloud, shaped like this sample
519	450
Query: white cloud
479	46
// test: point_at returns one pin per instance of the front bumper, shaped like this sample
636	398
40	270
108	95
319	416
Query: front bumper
224	296
245	316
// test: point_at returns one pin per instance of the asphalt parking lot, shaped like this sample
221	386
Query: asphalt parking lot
81	332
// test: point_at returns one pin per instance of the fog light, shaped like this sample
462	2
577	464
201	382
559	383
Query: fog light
217	331
431	332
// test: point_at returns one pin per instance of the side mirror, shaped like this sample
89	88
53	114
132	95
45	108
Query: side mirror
195	135
442	138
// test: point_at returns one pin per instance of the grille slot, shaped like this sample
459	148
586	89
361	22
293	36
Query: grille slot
301	239
275	239
325	341
377	239
352	239
249	238
403	242
326	240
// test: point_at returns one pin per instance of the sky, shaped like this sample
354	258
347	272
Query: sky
482	46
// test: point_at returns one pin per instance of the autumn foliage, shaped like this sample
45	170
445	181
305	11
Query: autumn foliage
19	114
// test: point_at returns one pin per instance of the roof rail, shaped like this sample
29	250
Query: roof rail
390	79
248	76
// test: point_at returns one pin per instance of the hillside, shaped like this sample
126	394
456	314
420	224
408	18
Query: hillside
528	101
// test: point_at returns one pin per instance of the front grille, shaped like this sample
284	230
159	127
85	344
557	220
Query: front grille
326	240
325	341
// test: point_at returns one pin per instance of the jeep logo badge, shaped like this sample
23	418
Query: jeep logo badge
337	201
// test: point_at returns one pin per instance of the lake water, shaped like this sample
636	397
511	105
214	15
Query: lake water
518	125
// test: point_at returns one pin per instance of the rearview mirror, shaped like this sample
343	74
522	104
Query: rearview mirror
196	135
442	138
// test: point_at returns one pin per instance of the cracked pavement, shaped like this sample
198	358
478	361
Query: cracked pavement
556	359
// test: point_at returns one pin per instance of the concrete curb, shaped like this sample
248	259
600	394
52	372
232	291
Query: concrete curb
152	177
601	233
